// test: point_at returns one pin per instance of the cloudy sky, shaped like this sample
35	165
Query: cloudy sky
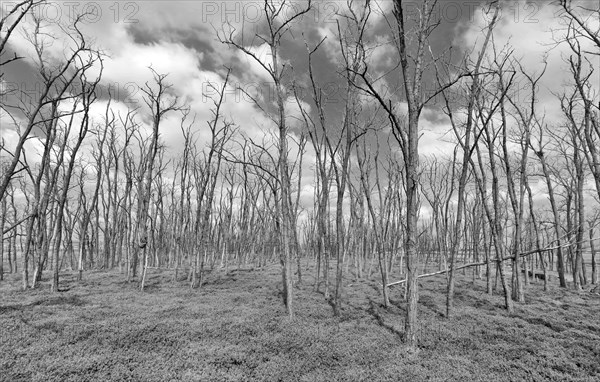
181	38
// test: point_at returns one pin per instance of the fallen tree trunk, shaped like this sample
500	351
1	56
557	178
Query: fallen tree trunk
484	262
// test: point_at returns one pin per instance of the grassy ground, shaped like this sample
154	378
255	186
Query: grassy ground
234	329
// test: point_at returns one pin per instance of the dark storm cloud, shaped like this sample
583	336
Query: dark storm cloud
21	85
194	39
142	35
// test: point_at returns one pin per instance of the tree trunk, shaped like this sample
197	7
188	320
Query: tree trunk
593	251
555	214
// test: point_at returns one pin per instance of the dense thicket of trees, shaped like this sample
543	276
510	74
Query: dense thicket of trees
104	191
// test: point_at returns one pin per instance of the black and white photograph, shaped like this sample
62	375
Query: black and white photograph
300	190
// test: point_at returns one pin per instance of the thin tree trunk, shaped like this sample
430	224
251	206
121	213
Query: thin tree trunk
555	214
593	251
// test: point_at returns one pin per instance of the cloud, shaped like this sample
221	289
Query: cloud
436	138
33	147
131	66
530	30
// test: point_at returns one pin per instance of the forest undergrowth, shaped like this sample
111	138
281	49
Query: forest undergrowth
234	328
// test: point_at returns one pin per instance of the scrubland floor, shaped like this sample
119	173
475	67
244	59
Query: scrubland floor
234	328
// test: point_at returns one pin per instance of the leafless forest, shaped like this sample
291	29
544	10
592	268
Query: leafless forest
380	149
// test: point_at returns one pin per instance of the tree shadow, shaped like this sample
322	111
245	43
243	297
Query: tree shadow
430	303
72	300
373	310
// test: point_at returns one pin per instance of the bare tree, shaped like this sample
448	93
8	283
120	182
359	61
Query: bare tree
467	146
277	28
580	29
56	79
380	221
593	248
160	101
59	86
88	96
412	46
540	152
220	134
339	150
